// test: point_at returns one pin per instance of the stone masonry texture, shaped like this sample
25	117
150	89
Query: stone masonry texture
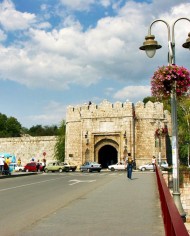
125	127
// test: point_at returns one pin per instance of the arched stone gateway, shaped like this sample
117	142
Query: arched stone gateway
107	156
106	152
107	133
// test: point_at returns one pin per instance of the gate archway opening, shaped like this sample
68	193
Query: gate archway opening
107	155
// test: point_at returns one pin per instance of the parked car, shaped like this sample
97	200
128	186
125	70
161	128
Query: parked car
56	166
70	166
149	166
91	166
118	166
15	167
31	167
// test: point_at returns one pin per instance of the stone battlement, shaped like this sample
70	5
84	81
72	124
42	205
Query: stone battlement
107	132
117	109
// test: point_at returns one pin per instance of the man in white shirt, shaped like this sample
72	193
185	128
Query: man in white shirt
2	161
154	162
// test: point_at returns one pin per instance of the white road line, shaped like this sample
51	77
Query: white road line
25	185
76	181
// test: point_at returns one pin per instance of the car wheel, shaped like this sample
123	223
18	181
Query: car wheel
60	170
112	169
46	170
20	170
143	169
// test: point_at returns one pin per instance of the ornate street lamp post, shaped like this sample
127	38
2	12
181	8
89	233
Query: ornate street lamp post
150	46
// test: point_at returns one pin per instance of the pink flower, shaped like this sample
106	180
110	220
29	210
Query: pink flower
170	77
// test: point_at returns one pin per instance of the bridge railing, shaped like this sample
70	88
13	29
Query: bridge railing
173	223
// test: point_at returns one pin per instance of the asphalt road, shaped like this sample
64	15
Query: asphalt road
80	204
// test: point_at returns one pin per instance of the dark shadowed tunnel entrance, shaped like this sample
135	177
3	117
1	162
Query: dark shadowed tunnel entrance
107	155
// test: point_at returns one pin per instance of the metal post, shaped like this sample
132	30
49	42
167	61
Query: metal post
151	44
175	160
159	154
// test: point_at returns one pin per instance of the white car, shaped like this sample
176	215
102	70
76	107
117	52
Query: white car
15	167
19	168
149	166
118	166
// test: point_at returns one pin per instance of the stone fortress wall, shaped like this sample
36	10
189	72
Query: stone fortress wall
28	147
126	127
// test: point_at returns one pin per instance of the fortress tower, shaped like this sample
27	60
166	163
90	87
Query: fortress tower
107	133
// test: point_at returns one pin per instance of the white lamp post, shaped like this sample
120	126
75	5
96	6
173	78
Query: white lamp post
150	46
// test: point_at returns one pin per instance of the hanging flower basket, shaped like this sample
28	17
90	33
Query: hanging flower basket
161	132
170	77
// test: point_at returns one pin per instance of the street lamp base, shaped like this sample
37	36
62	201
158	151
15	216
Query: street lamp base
177	200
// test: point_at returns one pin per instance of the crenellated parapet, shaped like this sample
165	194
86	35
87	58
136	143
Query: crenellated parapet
123	126
104	109
149	110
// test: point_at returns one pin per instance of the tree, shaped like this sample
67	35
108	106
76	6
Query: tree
184	129
9	127
166	102
183	119
40	130
13	127
60	144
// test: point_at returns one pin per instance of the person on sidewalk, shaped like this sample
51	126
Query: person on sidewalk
154	162
38	166
2	161
129	165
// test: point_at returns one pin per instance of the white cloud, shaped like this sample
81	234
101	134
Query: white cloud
105	3
3	36
12	20
53	113
133	93
42	54
58	58
77	5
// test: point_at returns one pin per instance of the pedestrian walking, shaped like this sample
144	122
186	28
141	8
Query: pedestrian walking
129	164
38	166
2	162
19	162
154	162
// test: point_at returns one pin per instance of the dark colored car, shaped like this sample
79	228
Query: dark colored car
32	167
91	166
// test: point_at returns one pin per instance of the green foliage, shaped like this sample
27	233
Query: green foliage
60	144
147	99
9	127
166	102
184	128
183	119
40	130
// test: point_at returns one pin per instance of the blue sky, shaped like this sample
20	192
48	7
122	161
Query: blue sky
56	53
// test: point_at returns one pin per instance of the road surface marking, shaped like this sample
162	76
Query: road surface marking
76	181
25	185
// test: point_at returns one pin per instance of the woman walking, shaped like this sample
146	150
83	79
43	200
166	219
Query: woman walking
129	164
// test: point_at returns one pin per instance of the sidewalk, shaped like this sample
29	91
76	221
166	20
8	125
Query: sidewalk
122	207
134	187
18	174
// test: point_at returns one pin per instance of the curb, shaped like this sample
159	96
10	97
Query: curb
17	175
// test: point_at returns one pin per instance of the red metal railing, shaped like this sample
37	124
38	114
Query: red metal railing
173	222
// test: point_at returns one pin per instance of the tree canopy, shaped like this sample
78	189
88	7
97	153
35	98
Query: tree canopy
60	144
9	127
183	120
